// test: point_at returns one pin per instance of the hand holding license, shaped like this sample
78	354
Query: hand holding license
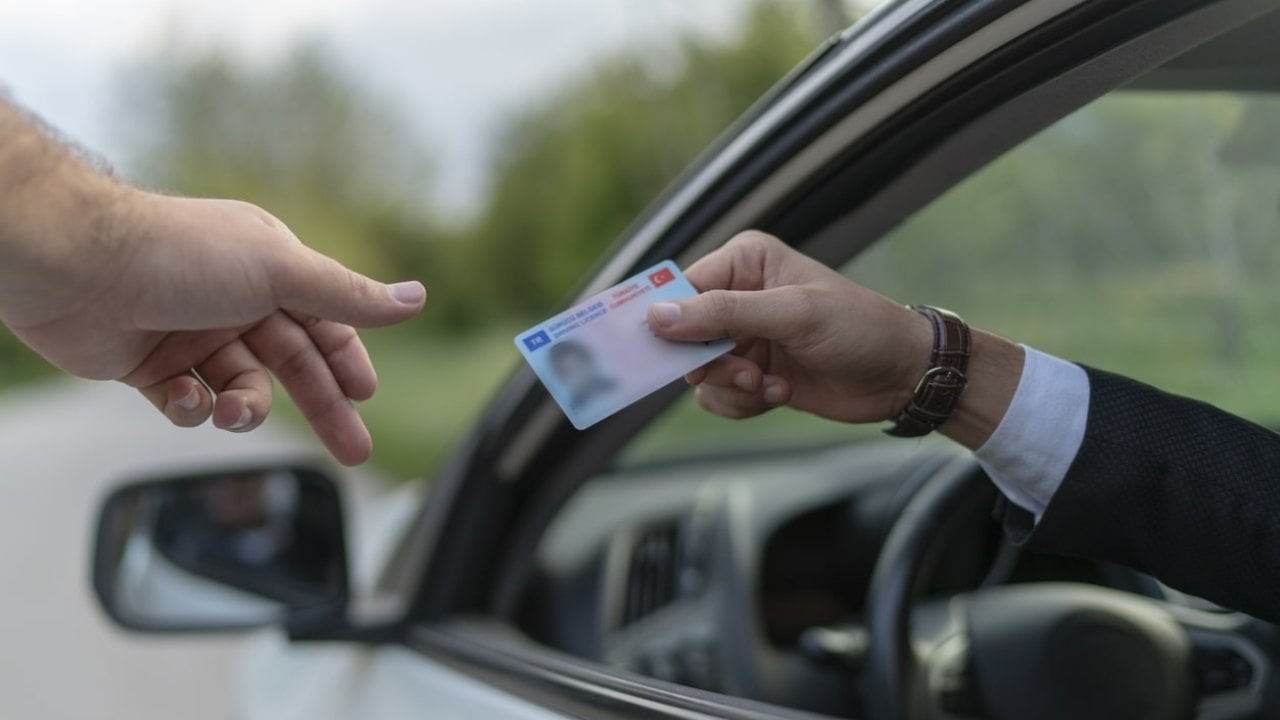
600	356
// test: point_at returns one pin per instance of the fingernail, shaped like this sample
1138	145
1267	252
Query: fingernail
246	417
190	401
773	394
410	292
665	313
743	380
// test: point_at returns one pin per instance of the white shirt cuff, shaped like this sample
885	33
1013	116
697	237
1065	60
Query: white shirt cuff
1033	447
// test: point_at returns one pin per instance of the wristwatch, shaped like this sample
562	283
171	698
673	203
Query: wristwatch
939	390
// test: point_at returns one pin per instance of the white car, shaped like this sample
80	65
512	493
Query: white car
622	572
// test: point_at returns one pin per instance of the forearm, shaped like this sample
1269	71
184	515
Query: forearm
53	208
50	200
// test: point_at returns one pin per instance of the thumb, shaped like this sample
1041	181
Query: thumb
318	285
766	314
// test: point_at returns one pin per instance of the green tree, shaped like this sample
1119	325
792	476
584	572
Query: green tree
570	173
304	139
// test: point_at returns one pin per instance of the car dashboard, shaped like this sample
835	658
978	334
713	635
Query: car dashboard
747	574
709	573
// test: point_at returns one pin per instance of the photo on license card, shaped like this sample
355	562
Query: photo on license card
600	355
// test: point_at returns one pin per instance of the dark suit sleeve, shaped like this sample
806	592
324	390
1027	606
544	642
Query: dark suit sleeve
1173	487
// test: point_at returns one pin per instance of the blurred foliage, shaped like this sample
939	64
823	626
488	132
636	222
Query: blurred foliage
302	137
17	363
572	172
1138	235
307	141
301	134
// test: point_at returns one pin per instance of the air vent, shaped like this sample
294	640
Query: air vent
652	575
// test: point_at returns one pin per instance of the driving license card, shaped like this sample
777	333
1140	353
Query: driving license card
600	356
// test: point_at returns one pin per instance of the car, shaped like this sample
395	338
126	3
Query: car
1099	178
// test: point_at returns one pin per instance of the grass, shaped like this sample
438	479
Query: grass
430	392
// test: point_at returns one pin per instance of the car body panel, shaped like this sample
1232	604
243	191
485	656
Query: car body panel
340	681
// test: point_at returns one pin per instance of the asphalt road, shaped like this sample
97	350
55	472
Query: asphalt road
62	445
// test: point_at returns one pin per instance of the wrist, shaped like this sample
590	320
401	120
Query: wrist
995	369
938	391
977	374
916	348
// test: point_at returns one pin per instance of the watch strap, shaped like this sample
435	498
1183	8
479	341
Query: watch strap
939	390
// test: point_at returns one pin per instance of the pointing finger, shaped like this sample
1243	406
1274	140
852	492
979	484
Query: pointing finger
344	352
286	349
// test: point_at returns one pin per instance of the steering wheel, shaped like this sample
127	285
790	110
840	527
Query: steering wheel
1040	650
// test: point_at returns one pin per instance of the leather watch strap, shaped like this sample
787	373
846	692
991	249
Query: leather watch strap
939	390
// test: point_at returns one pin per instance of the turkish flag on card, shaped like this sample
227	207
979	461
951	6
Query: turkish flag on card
662	277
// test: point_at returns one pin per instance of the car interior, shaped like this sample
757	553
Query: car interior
737	556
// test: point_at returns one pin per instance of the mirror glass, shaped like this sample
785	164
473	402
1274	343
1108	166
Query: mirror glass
221	550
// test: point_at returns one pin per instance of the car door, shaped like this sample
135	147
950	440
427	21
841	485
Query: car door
877	124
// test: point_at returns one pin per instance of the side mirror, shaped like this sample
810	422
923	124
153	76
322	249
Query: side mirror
222	551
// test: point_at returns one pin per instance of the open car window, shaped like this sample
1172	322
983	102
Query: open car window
1137	234
1140	234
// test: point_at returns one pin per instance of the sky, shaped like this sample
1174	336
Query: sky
452	68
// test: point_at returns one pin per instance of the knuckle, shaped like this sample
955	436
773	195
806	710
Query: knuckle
802	301
356	284
308	322
285	272
720	303
805	306
344	341
328	406
256	380
753	240
723	402
707	401
296	363
270	221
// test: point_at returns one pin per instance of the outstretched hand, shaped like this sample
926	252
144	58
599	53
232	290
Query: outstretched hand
807	336
812	339
175	288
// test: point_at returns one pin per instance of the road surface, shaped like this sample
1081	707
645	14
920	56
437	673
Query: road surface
62	445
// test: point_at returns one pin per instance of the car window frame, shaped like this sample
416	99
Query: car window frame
963	149
1100	47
